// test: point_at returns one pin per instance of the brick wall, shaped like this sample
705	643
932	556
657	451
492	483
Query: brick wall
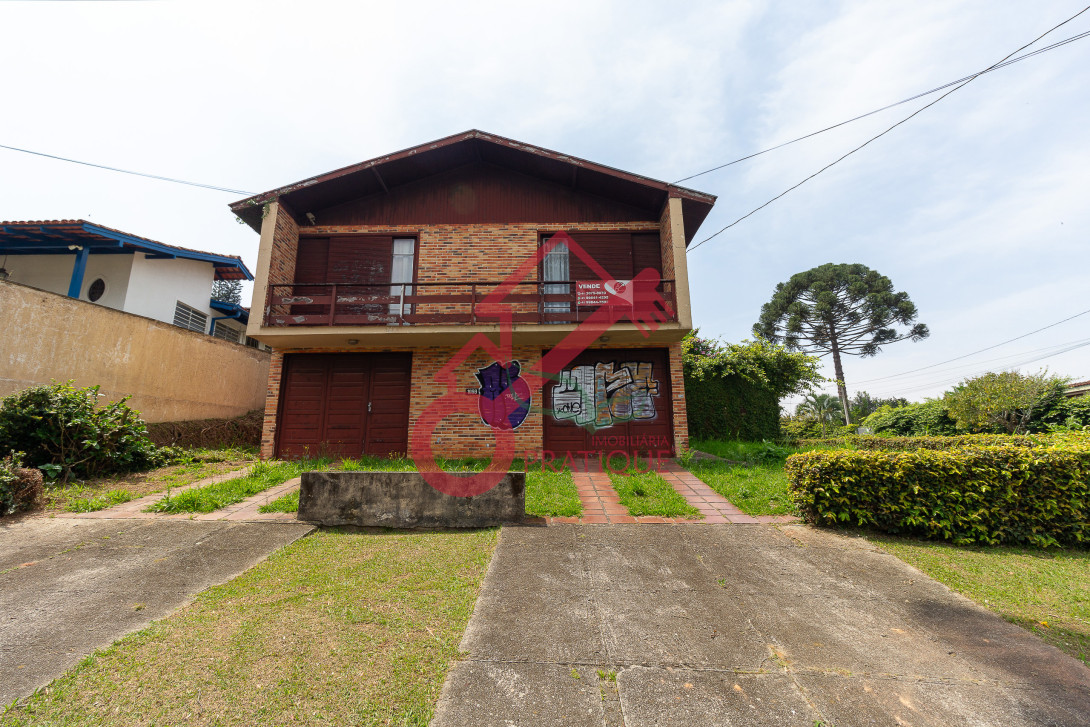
464	434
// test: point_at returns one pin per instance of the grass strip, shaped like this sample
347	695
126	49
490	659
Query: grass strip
336	628
285	503
645	493
221	494
552	494
1044	591
98	502
759	489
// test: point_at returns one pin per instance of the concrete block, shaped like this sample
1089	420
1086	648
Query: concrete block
405	500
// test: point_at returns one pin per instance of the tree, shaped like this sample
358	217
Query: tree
1007	400
838	309
227	291
820	408
862	405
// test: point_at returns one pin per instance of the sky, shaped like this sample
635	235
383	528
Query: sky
978	207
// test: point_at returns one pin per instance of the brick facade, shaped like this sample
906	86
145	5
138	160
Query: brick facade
460	253
464	434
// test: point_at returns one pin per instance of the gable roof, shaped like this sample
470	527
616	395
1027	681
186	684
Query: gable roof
377	176
45	237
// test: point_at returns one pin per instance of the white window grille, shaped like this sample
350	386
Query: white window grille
227	333
189	318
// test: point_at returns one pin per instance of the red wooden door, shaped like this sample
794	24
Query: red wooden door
611	400
344	405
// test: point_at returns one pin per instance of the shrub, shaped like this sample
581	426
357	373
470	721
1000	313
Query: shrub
914	420
1005	401
20	488
1064	413
1021	495
953	442
63	426
733	391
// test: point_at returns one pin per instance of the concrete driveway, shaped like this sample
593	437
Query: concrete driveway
69	586
740	625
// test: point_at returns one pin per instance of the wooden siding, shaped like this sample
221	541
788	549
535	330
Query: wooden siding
480	194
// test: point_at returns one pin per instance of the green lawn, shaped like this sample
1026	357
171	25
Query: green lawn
103	492
753	479
759	489
221	494
1045	591
337	628
645	493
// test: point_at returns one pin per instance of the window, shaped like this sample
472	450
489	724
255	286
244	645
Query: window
96	289
401	273
227	333
189	318
556	266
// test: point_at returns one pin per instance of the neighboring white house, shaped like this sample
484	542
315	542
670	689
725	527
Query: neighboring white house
125	272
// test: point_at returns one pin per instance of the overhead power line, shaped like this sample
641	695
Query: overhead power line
996	67
891	389
973	353
879	136
129	171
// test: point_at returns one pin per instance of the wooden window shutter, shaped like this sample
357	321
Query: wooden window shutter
612	250
364	260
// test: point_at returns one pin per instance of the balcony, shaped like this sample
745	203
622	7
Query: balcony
439	304
324	314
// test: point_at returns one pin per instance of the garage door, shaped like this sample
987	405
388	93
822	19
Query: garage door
611	400
344	405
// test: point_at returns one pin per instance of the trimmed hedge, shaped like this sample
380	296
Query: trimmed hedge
914	443
1011	494
729	407
1077	439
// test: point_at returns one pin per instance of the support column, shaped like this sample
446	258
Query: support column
78	269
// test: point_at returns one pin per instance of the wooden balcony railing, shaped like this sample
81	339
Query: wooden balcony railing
437	304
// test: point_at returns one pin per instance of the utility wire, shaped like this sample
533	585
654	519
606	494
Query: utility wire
879	136
886	391
886	108
128	171
974	353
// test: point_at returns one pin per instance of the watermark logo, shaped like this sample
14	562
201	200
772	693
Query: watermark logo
505	391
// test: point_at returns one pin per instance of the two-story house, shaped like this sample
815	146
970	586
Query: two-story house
375	281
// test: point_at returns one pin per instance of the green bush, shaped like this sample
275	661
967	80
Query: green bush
20	488
953	442
62	429
914	420
1011	494
1064	413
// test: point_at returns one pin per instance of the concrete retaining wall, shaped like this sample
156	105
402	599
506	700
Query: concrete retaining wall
170	373
405	500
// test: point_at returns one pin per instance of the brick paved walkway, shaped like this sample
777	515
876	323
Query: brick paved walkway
602	505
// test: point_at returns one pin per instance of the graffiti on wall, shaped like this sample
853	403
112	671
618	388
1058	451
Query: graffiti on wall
504	396
603	394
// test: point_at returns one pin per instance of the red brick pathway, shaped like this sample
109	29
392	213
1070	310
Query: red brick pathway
602	505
